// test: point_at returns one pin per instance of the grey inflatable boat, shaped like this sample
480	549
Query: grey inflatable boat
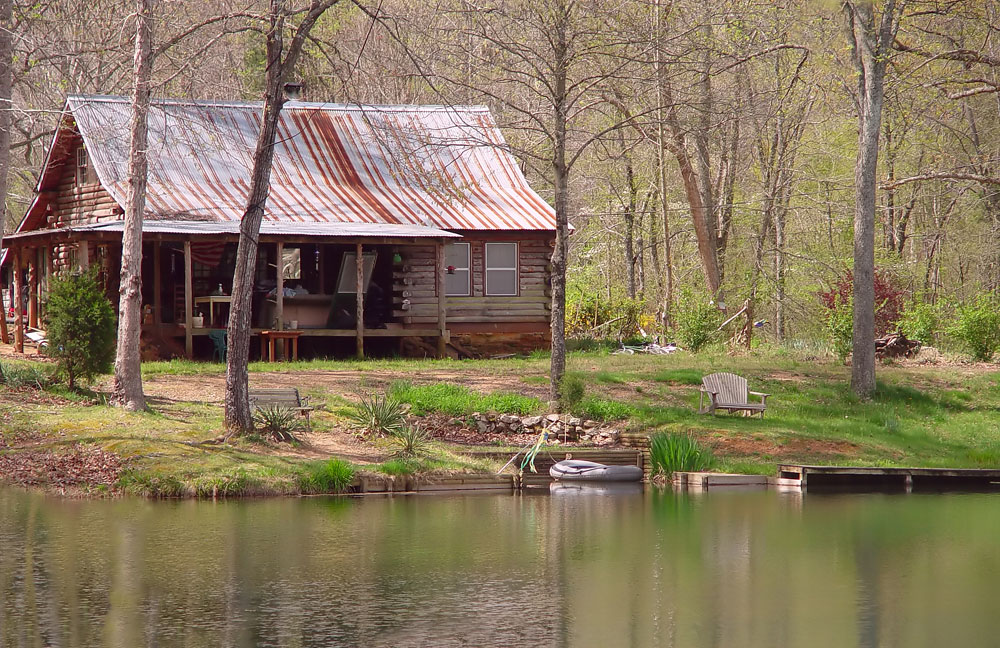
588	471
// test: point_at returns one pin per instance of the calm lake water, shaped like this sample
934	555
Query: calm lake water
655	569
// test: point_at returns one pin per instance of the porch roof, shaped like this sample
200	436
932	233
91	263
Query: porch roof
231	229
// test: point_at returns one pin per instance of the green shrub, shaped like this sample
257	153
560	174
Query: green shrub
333	476
672	452
588	316
571	391
697	320
921	321
840	327
398	467
410	441
600	409
81	327
977	327
378	415
456	400
276	422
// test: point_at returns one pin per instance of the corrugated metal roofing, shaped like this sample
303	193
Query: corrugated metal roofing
445	167
271	228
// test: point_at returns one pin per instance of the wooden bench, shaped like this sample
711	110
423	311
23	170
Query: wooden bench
286	397
729	392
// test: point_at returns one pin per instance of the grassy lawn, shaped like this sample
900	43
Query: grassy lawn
922	416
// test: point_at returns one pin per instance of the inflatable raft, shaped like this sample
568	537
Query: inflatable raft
588	471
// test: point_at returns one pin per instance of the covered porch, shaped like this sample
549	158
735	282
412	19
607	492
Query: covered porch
307	279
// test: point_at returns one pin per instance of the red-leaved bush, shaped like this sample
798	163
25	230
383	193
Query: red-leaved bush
890	299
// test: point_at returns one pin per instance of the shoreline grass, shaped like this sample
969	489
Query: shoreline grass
933	416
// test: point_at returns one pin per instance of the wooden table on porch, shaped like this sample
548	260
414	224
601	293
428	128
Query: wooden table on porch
212	300
269	337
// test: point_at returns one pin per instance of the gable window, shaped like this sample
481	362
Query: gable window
456	261
501	269
84	172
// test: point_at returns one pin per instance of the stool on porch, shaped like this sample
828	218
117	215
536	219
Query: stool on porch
268	339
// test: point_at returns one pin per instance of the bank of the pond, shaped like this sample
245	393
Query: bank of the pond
924	415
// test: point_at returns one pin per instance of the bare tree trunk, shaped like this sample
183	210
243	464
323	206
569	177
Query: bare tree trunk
239	419
127	389
6	104
870	51
560	173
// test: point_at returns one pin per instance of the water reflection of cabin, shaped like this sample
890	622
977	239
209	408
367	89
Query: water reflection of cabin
454	243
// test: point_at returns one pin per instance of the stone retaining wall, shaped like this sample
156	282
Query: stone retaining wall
560	426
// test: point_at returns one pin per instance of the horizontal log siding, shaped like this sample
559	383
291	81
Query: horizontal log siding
415	280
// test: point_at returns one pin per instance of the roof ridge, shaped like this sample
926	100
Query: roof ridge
297	105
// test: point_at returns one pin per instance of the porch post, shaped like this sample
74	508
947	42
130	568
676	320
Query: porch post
33	289
18	303
360	266
188	303
83	255
442	306
157	297
280	288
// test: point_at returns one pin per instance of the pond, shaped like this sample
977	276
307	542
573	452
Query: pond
634	569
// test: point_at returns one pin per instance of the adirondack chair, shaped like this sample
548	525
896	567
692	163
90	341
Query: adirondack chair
729	392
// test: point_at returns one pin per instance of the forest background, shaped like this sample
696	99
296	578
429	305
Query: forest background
709	146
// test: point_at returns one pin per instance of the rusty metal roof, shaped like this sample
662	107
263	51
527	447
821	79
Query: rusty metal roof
437	166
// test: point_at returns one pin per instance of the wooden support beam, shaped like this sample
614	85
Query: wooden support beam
83	255
18	303
4	333
188	303
442	310
360	290
279	309
157	297
33	289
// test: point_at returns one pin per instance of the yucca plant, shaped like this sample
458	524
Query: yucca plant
276	422
671	452
411	441
378	415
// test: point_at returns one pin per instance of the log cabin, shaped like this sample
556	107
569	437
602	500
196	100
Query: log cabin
404	228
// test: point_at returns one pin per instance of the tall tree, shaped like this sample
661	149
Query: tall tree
6	100
127	391
280	64
871	45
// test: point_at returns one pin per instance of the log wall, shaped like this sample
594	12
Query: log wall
415	297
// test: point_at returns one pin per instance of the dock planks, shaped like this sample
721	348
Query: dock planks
905	479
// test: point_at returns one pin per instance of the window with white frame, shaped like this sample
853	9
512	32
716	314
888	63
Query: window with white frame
456	262
501	269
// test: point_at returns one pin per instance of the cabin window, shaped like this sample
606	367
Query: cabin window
501	269
84	172
456	262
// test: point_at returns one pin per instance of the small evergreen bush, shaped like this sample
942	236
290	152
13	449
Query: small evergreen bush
81	327
697	320
672	452
977	327
571	391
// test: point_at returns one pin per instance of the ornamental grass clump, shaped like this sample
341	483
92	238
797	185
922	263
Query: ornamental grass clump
378	415
672	452
410	441
276	422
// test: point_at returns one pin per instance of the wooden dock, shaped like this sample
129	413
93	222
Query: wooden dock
552	455
892	479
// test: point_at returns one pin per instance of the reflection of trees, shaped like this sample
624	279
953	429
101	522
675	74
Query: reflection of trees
663	569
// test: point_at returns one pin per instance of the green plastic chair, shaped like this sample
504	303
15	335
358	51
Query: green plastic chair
220	349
